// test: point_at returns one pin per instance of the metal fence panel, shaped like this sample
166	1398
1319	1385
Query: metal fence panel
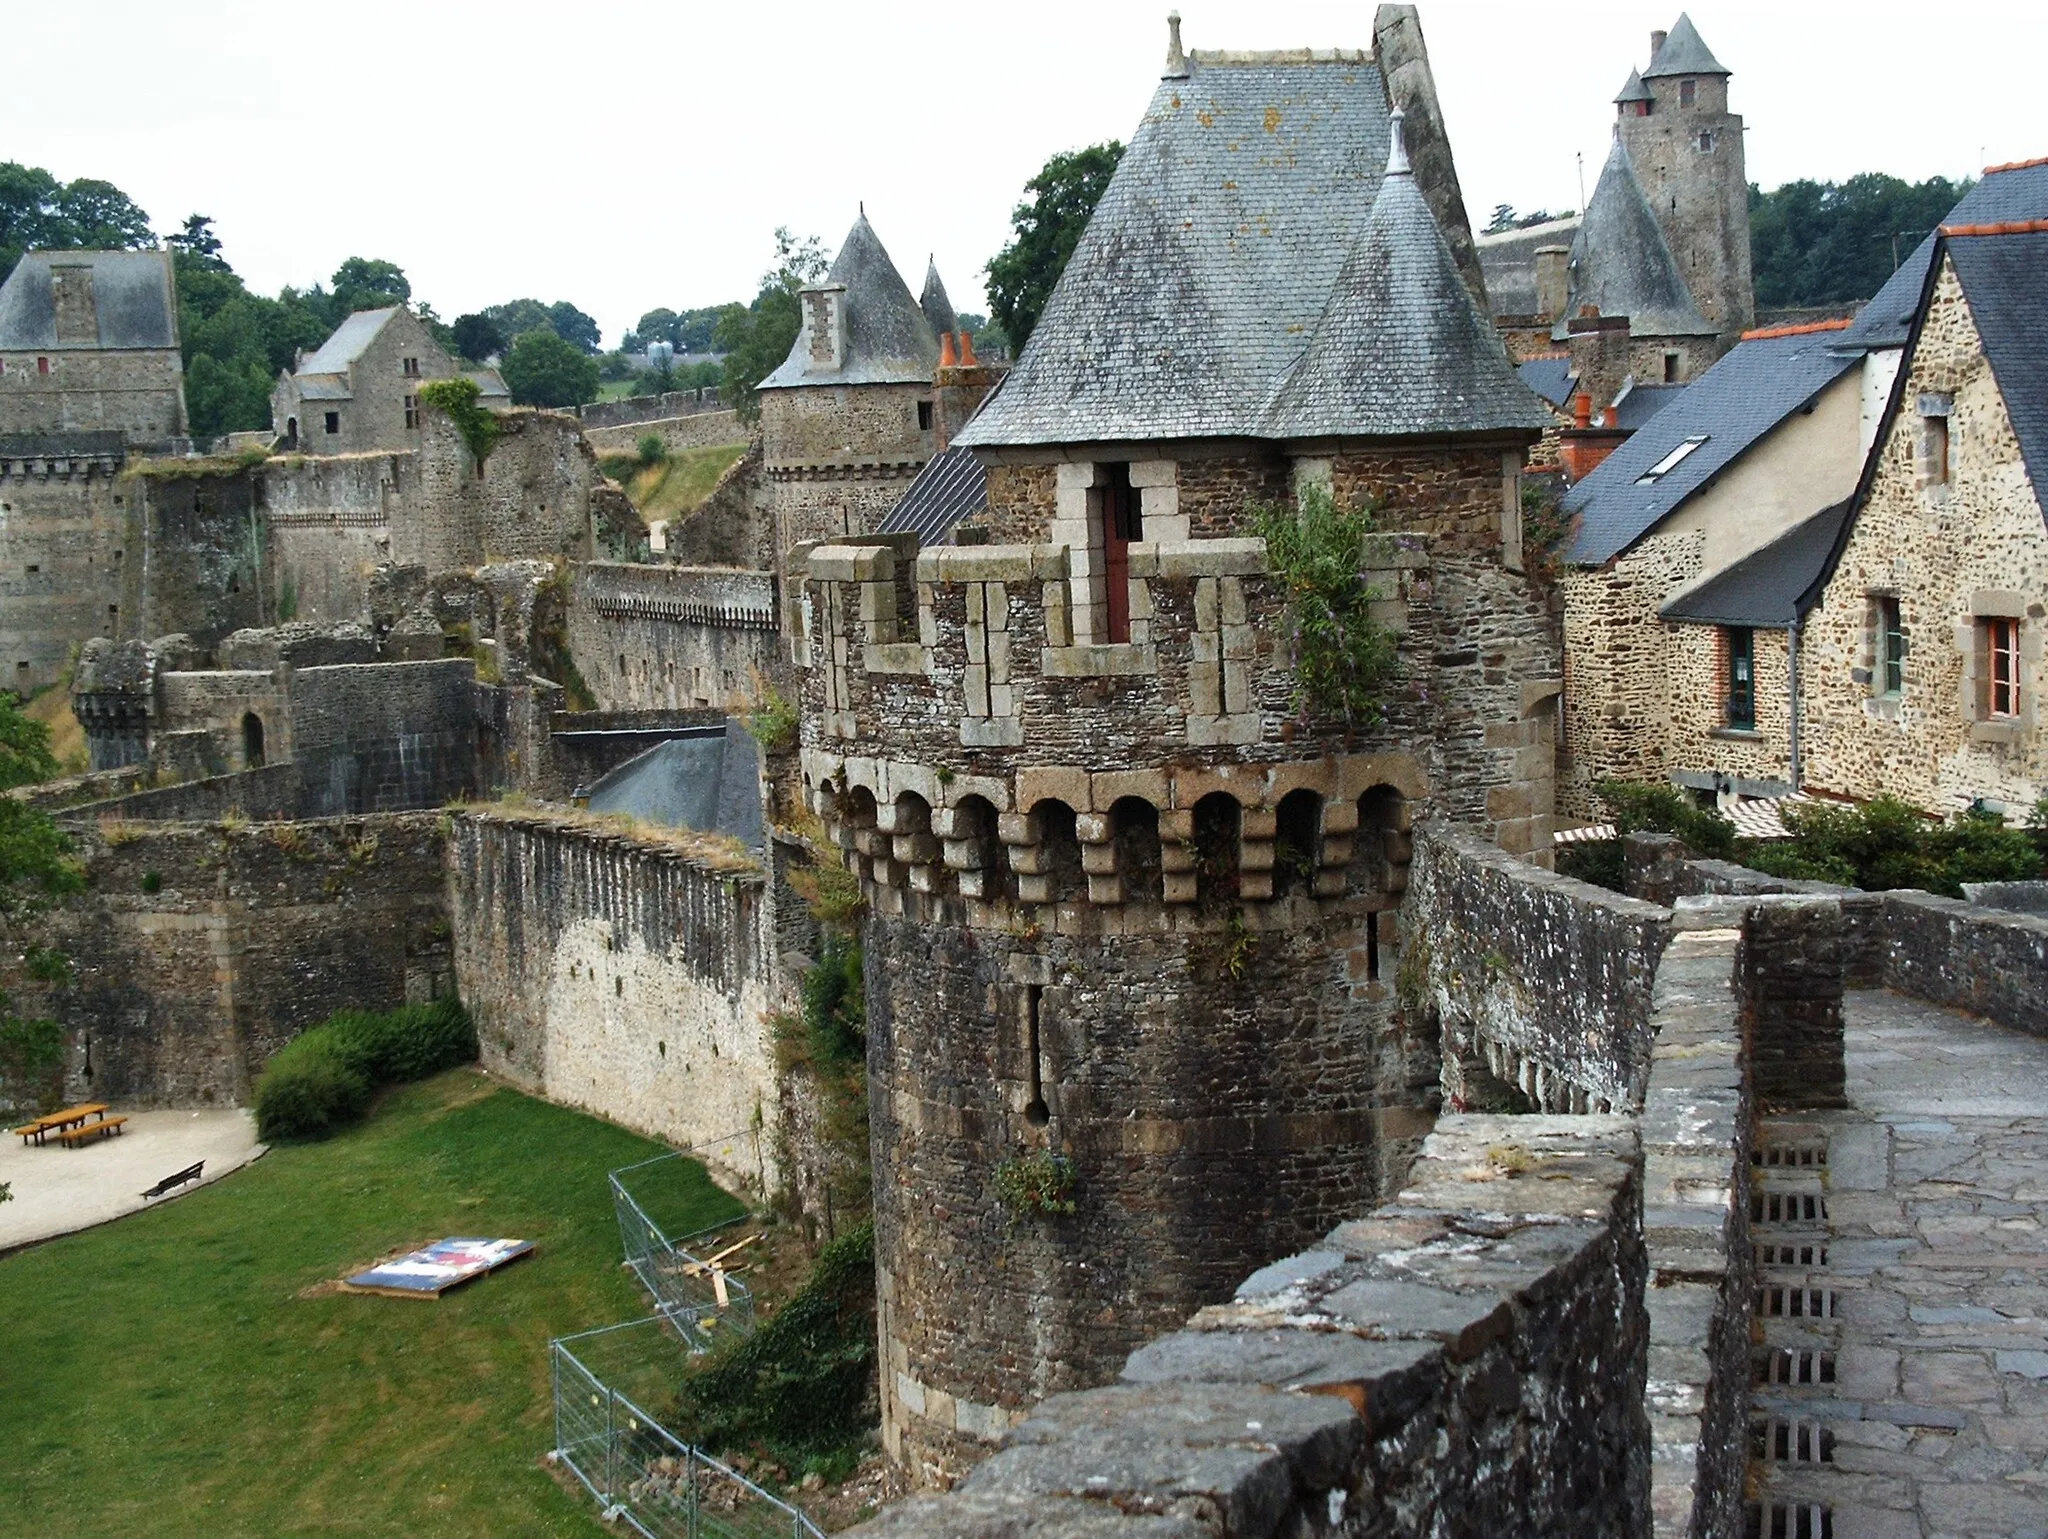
675	1275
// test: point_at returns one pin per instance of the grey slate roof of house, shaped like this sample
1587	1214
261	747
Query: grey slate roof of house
937	308
949	488
1621	263
1550	378
1684	53
1734	405
2005	278
346	343
705	780
1763	588
1212	253
1639	403
488	381
133	297
888	339
1400	347
1508	262
2000	196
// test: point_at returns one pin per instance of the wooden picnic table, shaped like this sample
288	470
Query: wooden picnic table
59	1121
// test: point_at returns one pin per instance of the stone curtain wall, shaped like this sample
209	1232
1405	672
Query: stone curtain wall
202	949
653	409
1987	961
672	638
692	430
384	737
734	525
64	537
203	568
1465	1363
1535	978
628	979
531	501
136	392
1975	546
330	521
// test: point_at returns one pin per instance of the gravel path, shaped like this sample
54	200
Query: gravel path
57	1190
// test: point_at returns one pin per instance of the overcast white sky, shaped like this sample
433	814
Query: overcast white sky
625	155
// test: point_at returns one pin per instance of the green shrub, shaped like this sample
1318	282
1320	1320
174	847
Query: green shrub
321	1080
1038	1182
1645	807
802	1386
651	449
1343	657
1885	843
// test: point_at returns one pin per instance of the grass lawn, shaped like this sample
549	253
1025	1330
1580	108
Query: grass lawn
677	486
184	1371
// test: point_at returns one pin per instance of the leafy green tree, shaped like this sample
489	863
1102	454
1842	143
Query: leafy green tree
657	325
756	338
543	370
988	336
36	868
36	210
366	283
477	337
572	325
701	375
197	245
99	216
1045	228
1825	243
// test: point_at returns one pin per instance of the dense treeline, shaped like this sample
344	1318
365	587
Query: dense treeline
1825	243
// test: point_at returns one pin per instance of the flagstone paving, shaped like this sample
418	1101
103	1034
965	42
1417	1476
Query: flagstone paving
1903	1379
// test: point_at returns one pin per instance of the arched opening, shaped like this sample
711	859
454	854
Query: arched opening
1062	852
1218	823
911	844
252	741
1380	813
291	432
1134	824
1297	840
973	851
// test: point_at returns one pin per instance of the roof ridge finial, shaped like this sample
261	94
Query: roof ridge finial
1397	148
1176	56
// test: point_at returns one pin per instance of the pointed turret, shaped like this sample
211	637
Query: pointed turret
1634	92
1684	53
1621	263
860	326
1400	349
937	308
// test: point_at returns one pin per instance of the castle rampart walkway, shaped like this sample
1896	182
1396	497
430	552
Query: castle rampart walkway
1908	1395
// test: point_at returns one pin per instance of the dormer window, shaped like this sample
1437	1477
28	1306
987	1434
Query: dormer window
1671	461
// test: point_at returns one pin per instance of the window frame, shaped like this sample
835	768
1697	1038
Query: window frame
1888	673
2002	664
1738	678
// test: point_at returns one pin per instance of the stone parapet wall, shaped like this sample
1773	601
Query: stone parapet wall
679	430
1536	979
1990	962
631	977
669	404
199	950
1463	1362
1697	1133
381	737
269	794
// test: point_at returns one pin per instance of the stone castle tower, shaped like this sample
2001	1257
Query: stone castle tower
1686	148
1132	931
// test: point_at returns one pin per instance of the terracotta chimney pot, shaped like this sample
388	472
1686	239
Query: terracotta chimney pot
1582	410
946	358
967	358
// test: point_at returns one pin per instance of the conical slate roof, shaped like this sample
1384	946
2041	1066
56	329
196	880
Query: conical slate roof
888	340
937	308
1635	90
1622	265
1684	53
1399	348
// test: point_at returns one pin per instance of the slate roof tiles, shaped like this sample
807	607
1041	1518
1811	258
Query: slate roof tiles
1621	263
2002	277
888	339
134	301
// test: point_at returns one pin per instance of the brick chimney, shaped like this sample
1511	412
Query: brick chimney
1582	446
825	321
78	320
1656	43
1553	288
961	383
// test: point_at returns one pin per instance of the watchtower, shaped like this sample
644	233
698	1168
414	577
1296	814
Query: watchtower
1686	148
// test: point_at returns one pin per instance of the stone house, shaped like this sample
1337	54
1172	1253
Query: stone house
359	391
90	375
1922	655
1701	539
1133	905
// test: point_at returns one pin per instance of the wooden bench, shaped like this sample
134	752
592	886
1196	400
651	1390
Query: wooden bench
57	1121
189	1173
73	1137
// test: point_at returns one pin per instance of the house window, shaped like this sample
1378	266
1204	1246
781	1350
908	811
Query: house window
42	366
1671	368
334	422
1891	646
1740	642
924	416
1688	92
1671	461
412	368
1934	415
2002	667
412	411
1707	141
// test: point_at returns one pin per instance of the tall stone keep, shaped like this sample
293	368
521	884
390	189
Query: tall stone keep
1686	148
1133	901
